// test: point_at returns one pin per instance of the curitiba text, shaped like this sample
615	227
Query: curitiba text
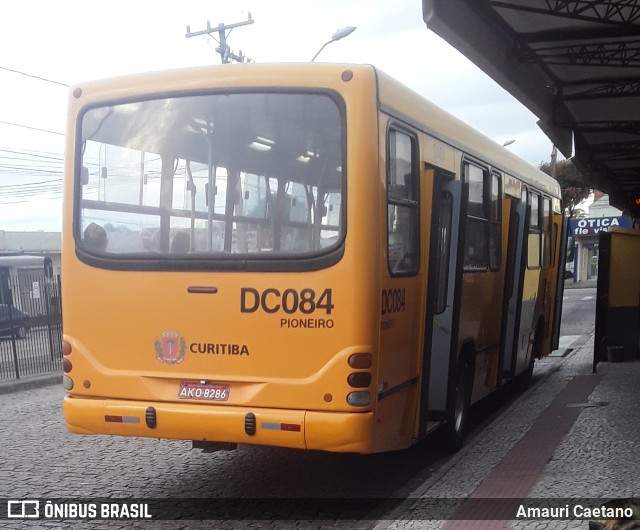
218	348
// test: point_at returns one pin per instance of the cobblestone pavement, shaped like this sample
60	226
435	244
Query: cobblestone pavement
599	458
42	460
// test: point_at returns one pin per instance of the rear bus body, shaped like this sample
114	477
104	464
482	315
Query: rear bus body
249	258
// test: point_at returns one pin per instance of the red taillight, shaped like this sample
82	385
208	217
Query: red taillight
66	348
66	365
359	380
360	360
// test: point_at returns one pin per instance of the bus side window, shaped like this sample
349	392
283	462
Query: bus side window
546	232
443	251
479	213
535	235
495	223
403	212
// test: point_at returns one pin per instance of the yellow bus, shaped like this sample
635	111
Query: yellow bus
308	256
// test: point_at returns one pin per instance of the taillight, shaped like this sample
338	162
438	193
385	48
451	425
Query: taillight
66	365
360	360
67	382
359	380
358	399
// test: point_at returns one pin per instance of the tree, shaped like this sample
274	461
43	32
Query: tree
572	183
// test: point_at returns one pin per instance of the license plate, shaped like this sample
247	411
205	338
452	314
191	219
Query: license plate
203	391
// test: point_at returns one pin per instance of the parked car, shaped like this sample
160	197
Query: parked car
19	322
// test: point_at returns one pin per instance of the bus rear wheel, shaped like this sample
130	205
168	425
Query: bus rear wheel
458	414
523	380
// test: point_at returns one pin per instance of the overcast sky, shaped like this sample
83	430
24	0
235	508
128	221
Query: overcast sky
70	41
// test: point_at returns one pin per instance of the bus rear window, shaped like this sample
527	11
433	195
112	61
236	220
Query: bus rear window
246	174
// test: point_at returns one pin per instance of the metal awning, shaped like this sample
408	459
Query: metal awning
574	63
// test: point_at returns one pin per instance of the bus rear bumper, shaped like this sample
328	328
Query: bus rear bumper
299	429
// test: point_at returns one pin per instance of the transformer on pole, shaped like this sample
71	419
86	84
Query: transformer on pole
223	31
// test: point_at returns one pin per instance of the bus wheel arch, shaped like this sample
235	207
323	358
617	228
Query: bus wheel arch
460	397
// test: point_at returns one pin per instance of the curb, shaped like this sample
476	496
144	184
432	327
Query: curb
30	383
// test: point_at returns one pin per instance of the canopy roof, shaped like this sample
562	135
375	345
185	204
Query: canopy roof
574	63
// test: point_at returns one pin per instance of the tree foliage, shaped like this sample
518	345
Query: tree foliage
572	183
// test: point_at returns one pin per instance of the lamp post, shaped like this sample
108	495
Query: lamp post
340	34
508	142
554	161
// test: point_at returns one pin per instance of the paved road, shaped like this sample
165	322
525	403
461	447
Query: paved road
578	312
43	460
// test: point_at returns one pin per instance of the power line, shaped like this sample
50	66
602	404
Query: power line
40	164
34	76
29	127
19	168
30	154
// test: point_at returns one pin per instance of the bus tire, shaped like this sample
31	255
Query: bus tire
523	381
458	414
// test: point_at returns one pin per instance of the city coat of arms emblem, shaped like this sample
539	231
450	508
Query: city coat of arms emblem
170	347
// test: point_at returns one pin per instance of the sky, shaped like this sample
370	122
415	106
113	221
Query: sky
47	46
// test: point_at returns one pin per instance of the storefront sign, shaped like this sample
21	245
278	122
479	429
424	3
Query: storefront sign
591	226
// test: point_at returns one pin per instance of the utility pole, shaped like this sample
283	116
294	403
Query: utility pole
223	49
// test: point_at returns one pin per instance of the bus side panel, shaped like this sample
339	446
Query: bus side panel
402	309
544	309
530	290
480	303
556	287
515	256
482	298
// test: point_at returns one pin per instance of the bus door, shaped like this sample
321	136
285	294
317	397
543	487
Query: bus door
442	298
514	281
559	262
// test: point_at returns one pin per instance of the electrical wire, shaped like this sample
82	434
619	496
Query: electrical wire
33	76
30	127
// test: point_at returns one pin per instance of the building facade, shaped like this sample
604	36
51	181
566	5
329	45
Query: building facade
584	234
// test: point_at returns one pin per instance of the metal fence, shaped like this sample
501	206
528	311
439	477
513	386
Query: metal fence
30	326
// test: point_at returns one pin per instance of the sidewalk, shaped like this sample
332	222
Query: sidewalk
572	436
30	382
584	284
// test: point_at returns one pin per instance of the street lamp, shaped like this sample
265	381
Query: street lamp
340	34
508	142
554	161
